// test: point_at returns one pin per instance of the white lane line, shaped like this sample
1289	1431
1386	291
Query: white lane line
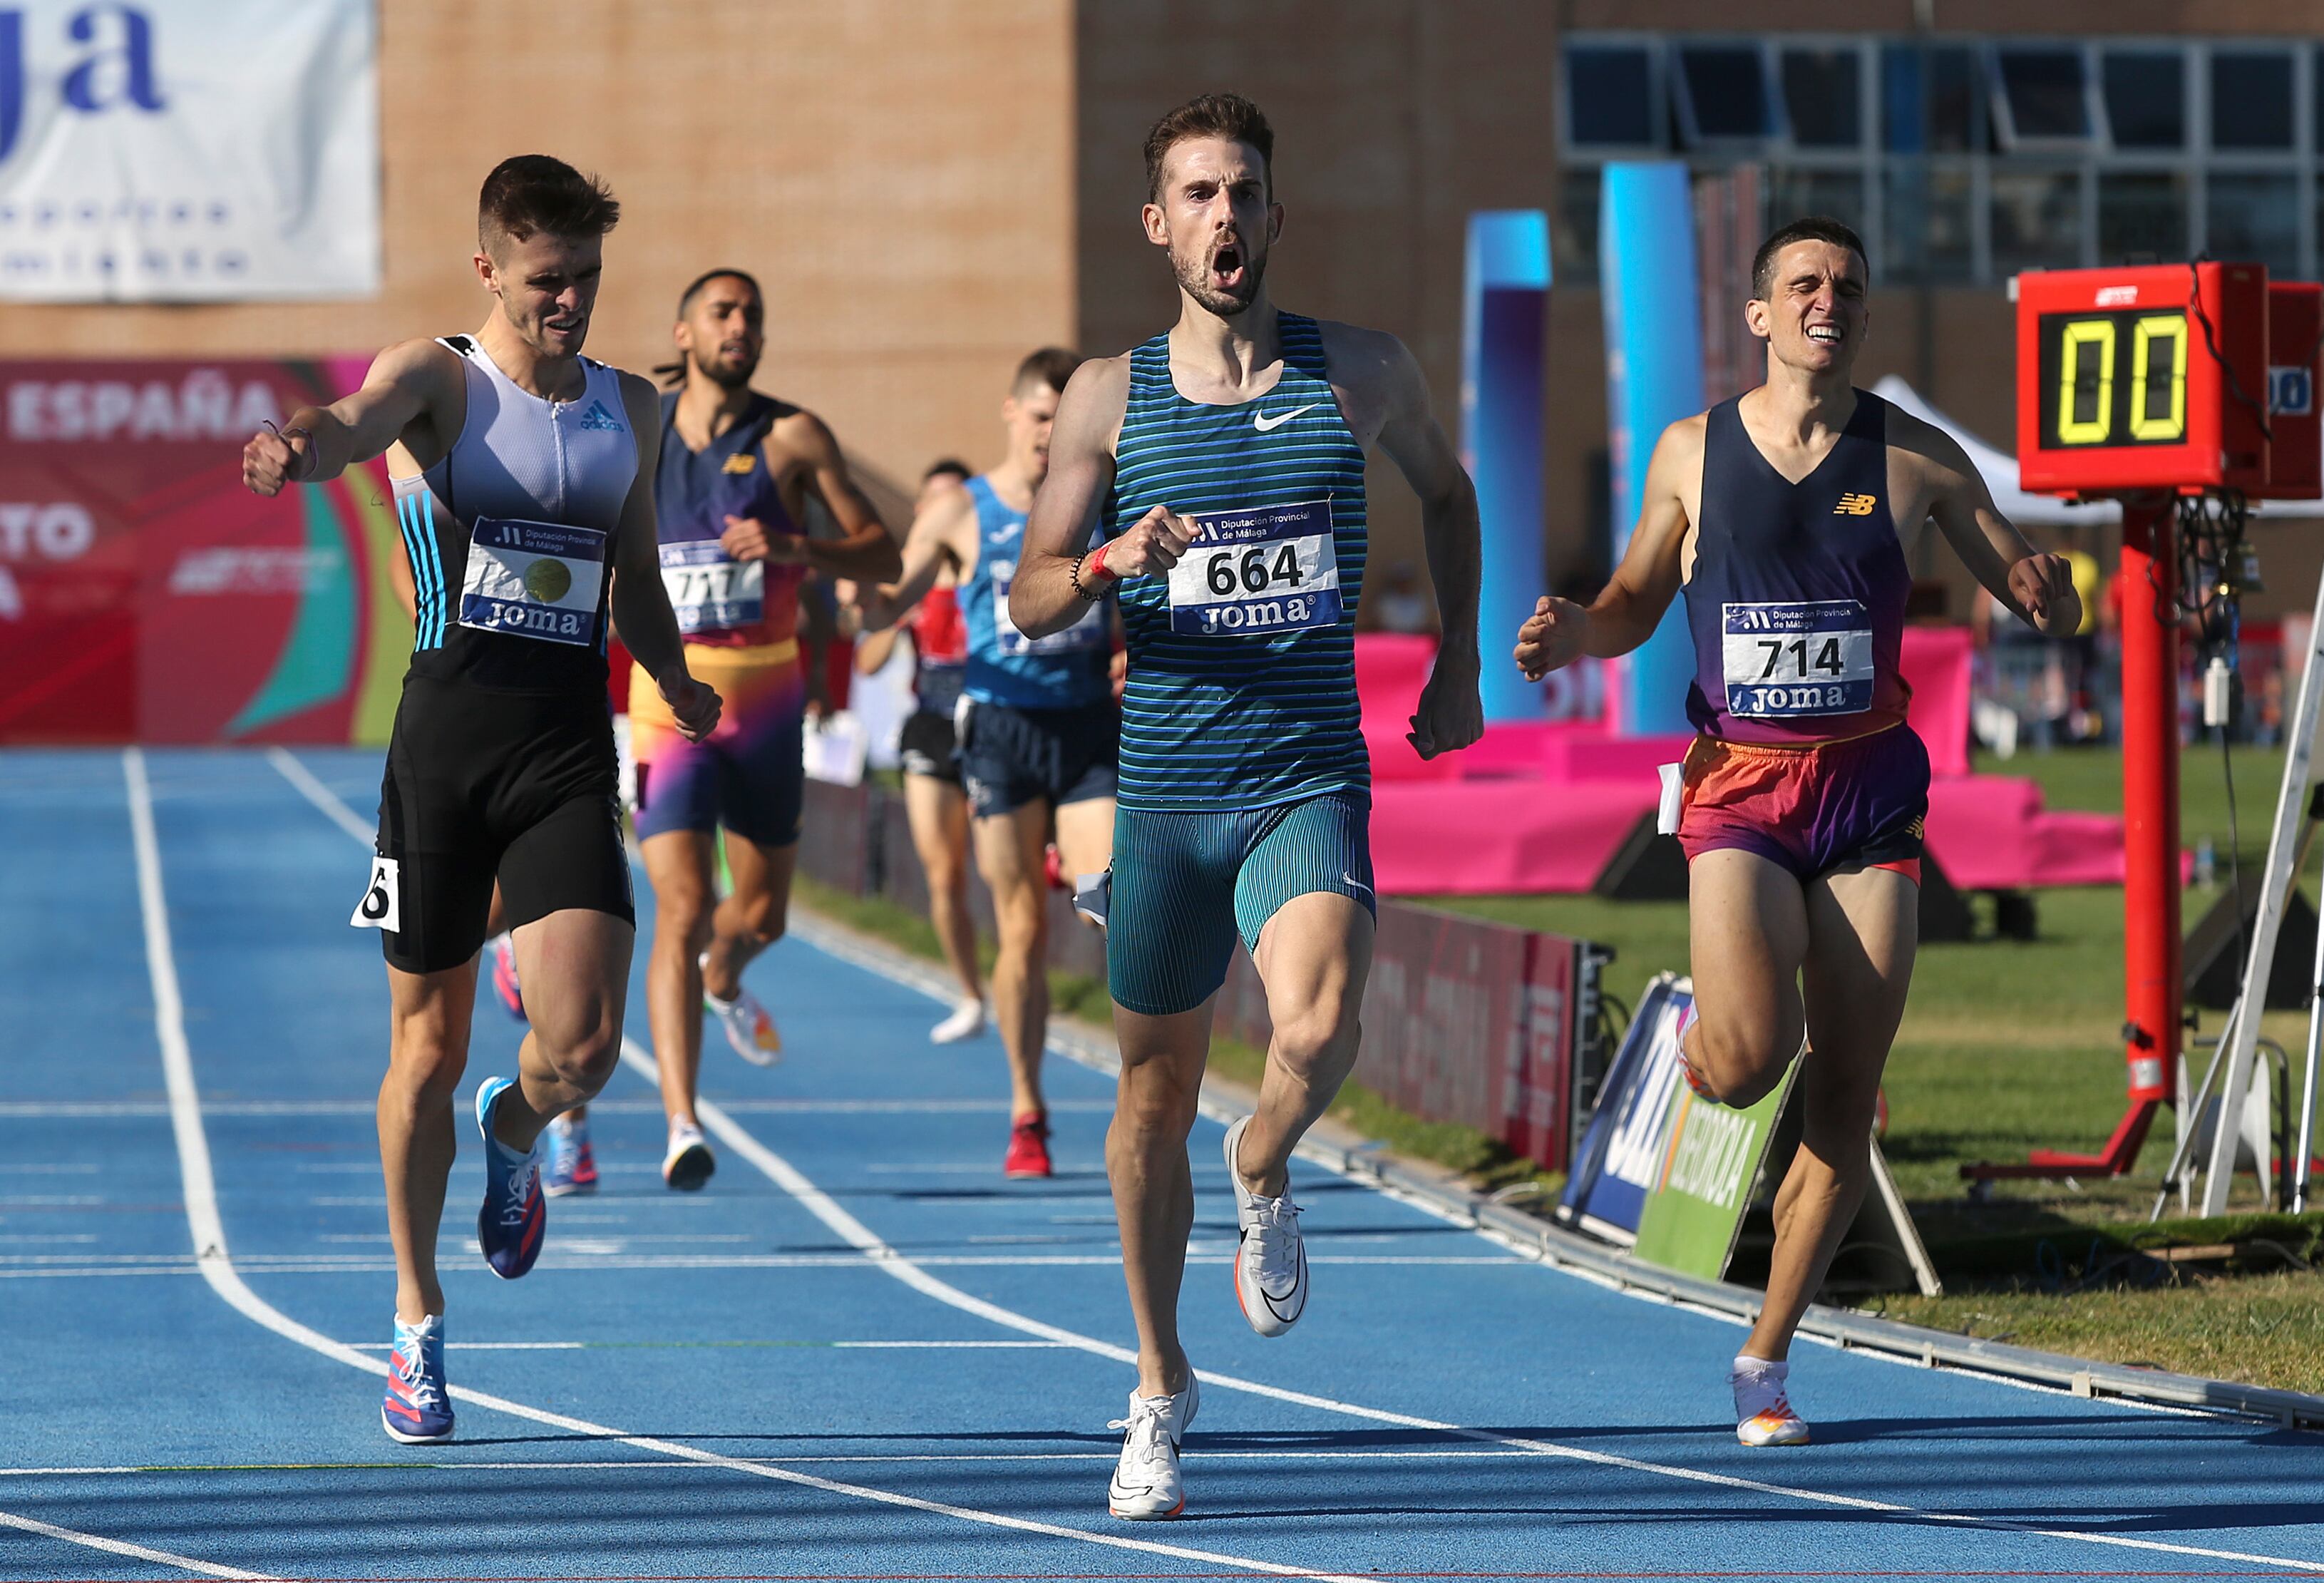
638	1464
122	1547
883	1257
332	805
217	1266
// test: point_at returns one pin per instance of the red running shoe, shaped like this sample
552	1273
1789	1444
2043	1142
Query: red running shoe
504	984
1028	1146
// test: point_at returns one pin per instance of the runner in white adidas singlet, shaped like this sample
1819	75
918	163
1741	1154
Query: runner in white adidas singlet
523	478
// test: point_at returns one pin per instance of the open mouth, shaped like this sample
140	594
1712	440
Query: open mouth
1826	335
563	326
1227	267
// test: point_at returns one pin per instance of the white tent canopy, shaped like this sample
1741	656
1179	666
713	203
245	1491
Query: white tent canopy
2000	470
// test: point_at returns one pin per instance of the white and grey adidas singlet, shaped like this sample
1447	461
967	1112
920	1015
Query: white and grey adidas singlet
511	534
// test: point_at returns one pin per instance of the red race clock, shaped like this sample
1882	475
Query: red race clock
2142	378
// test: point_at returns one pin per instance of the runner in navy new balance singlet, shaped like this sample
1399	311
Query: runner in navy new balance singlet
523	480
1803	798
737	470
1223	464
1038	727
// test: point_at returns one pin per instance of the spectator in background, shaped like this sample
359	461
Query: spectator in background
936	803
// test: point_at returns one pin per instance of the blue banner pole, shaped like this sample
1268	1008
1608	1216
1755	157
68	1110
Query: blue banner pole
1653	377
1504	331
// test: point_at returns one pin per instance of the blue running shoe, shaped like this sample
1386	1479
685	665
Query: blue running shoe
571	1168
515	1214
418	1408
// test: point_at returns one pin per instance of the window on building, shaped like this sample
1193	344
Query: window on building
1823	97
2251	99
2146	98
2142	216
1930	234
2255	217
2036	218
1794	194
1721	93
1931	99
2041	96
1574	228
1609	97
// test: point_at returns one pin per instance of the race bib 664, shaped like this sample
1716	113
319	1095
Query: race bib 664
1271	568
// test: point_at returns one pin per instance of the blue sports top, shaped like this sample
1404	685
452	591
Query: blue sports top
1242	676
1797	600
1063	670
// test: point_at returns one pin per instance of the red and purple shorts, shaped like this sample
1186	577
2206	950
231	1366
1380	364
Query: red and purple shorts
1814	808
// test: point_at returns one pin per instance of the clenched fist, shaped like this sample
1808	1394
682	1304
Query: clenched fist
2043	586
1552	637
694	704
275	458
1152	545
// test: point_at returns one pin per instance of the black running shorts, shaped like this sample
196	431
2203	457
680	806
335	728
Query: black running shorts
1011	756
926	747
520	787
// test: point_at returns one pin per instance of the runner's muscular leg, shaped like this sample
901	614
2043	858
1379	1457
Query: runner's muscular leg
753	915
1314	957
1009	848
678	868
1747	936
575	967
427	1048
1086	837
1153	1109
1864	929
937	812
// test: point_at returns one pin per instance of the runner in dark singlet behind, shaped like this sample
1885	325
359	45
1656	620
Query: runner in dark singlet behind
736	470
522	473
1778	514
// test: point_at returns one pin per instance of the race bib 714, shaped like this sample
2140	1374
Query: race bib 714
709	591
533	579
1273	569
1784	661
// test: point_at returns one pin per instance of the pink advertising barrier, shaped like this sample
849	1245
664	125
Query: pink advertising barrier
1540	806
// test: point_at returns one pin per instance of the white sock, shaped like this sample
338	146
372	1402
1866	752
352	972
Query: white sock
1757	1383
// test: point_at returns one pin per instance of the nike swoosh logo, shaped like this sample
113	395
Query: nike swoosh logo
1266	425
1353	880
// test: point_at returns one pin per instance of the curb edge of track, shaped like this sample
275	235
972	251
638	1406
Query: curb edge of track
1340	1150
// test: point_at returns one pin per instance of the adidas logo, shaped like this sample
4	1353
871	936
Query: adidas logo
1856	505
597	417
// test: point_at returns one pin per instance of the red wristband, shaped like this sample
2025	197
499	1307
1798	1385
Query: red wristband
1097	564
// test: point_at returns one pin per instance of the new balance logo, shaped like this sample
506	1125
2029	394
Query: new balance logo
597	417
1856	505
1267	425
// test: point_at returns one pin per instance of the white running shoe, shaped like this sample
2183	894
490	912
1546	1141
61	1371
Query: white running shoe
1145	1482
750	1026
690	1162
966	1022
1763	1411
1270	1264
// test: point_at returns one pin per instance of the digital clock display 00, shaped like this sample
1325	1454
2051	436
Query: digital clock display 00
2113	378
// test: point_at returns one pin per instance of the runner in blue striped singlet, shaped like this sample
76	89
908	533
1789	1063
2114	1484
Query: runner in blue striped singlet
1224	463
1777	515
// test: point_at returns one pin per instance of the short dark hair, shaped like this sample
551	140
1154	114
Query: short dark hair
1049	367
530	194
950	466
694	287
1814	228
1226	116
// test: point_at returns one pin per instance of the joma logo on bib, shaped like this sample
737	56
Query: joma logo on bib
1782	660
533	580
1275	568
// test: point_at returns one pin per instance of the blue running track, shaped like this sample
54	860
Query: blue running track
860	1353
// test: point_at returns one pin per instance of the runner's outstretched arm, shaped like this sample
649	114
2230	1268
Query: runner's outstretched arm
639	601
1450	715
409	381
2040	587
1043	599
1560	632
932	540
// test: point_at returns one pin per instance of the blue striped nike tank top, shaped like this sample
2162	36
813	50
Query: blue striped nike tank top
1242	682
